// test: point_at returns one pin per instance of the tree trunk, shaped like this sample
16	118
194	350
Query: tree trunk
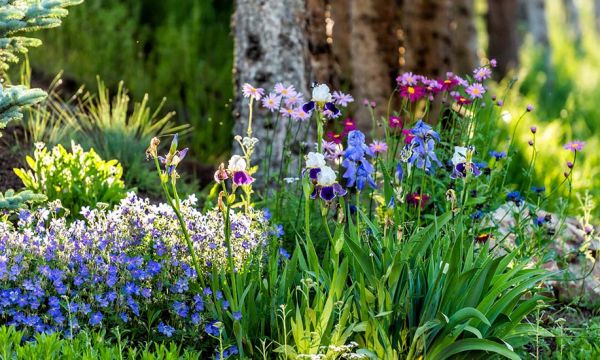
319	43
270	46
374	58
465	48
503	38
340	14
427	37
573	22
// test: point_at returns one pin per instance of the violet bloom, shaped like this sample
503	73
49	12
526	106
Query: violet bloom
423	146
359	170
574	146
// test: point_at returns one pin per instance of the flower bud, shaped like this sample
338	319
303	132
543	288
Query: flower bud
152	151
533	129
529	108
530	142
221	174
570	164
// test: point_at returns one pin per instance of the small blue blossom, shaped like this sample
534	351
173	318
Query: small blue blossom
165	329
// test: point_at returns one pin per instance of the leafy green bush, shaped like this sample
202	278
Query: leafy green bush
76	178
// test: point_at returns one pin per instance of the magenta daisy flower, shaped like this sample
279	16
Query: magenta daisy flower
395	122
475	91
271	101
413	93
378	147
250	91
285	91
482	73
574	146
349	125
342	99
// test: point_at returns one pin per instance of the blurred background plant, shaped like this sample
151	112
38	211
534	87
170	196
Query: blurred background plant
183	53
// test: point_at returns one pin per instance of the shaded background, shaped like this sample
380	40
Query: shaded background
184	50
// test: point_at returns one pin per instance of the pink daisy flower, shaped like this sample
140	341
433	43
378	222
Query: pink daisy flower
378	147
342	99
574	146
475	91
271	102
407	79
482	73
287	112
300	115
294	99
250	91
285	91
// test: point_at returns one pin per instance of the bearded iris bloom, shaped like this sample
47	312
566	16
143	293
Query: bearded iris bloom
463	162
237	166
327	187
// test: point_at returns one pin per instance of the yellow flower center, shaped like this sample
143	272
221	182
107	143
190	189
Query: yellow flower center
411	90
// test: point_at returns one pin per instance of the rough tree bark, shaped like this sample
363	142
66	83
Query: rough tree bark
503	43
374	58
270	46
427	37
322	68
340	14
463	26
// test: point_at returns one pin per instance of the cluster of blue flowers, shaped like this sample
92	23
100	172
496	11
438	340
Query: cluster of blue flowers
115	267
359	171
423	147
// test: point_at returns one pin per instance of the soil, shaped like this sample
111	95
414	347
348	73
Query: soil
11	156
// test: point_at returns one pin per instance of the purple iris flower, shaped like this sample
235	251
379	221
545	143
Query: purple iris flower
242	178
359	170
462	169
423	155
308	107
328	193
